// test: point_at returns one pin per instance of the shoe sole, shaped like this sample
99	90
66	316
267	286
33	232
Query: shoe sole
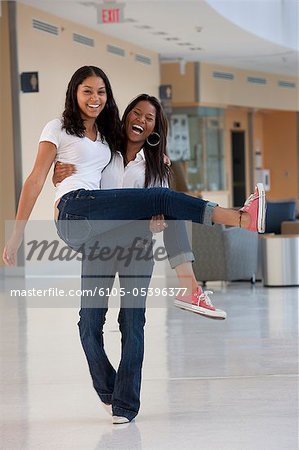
198	310
261	218
117	420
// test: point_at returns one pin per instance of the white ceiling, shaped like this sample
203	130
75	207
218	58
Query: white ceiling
182	30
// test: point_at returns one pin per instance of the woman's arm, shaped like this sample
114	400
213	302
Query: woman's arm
30	192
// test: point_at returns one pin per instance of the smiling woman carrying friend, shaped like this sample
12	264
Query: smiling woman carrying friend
138	164
86	136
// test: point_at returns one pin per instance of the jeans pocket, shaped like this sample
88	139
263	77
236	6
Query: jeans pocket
74	230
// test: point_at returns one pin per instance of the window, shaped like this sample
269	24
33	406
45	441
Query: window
206	166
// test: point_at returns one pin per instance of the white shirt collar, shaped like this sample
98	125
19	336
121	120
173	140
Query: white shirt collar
139	156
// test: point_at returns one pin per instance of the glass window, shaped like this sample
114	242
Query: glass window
206	166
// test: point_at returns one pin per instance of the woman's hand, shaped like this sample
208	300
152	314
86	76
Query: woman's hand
166	160
62	171
157	224
11	249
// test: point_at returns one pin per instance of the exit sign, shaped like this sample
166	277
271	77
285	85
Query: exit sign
111	12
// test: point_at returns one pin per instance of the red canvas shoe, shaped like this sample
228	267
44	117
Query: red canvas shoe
255	206
199	302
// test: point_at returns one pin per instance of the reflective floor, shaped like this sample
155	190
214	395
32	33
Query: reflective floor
210	385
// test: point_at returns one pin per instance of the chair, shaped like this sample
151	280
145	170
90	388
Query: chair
224	253
278	212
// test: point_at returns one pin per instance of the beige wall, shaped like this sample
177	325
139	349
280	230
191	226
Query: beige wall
274	135
237	92
7	192
281	153
183	85
56	58
240	92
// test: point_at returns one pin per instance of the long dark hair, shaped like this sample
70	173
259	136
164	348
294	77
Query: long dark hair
155	168
108	121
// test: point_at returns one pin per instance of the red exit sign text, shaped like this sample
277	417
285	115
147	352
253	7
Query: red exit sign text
111	12
110	15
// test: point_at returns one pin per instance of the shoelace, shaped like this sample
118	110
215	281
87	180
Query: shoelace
205	297
250	199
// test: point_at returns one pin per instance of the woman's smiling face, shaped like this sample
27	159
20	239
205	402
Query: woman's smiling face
91	97
141	122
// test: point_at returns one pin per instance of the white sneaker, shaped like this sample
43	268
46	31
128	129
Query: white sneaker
107	408
119	419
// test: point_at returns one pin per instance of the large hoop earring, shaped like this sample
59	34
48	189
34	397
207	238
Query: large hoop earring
155	139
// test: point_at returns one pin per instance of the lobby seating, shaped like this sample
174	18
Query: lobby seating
279	212
224	253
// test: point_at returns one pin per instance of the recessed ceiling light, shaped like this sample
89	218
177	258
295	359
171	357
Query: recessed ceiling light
198	29
130	20
143	27
160	33
195	48
171	39
184	43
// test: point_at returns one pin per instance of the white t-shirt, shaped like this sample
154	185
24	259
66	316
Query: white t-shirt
116	176
89	157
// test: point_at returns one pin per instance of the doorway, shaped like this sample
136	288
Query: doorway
238	162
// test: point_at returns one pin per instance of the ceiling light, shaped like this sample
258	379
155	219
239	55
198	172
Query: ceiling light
143	27
184	43
182	67
171	39
160	33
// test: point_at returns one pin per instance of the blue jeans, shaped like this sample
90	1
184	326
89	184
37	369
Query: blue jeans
85	214
120	388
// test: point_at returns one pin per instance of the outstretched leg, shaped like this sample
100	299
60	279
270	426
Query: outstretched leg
91	212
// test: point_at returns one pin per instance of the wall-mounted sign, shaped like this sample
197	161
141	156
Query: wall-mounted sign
29	81
165	94
111	12
179	141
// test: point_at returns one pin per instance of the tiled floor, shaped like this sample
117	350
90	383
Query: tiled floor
209	385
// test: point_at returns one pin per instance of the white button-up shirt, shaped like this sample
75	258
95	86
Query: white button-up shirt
117	176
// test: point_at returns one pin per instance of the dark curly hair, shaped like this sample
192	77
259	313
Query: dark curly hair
108	121
155	169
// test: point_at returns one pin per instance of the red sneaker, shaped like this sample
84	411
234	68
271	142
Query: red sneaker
199	302
255	206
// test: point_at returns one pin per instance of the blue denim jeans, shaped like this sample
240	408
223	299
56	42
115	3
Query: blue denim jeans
85	214
120	387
